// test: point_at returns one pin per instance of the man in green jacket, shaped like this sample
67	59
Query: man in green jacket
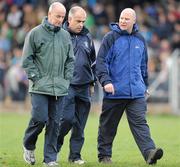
49	62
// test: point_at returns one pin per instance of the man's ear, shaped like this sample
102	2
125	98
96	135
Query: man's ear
69	19
49	16
49	13
134	20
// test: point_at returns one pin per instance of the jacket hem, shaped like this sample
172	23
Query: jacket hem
50	94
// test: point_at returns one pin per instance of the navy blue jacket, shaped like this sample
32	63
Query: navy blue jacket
85	57
122	61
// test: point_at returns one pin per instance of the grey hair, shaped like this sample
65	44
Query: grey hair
74	9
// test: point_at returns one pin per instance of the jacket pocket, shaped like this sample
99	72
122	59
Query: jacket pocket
61	85
43	85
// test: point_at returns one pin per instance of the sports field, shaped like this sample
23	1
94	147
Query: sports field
165	129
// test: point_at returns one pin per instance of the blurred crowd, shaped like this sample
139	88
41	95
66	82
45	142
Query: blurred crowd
158	20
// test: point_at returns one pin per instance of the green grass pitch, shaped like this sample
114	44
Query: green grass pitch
165	130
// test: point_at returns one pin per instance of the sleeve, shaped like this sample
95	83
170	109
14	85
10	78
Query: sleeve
28	58
69	64
144	67
93	58
102	61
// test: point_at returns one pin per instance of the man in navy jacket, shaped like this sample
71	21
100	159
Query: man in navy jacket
77	103
122	71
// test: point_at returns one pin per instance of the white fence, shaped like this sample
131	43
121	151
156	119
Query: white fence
174	82
170	77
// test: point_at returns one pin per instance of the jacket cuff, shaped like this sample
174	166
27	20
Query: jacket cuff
105	83
33	79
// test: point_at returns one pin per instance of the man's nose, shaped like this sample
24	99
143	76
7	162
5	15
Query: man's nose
81	24
123	21
61	20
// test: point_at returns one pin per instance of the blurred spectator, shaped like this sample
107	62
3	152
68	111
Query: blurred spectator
40	14
151	10
17	83
154	42
90	21
100	14
16	56
91	3
110	12
16	78
20	35
2	74
14	17
30	16
147	34
6	31
177	26
2	17
5	37
164	29
164	53
176	40
159	23
101	20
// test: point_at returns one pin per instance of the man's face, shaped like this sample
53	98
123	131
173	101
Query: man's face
56	16
76	22
126	21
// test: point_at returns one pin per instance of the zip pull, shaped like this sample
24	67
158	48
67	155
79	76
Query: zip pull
56	97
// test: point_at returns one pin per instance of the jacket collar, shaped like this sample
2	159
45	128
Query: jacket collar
115	27
84	31
49	26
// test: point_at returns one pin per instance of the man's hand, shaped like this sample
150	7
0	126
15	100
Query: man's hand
147	94
109	88
91	89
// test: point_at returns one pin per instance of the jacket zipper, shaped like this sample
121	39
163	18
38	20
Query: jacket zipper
53	67
129	42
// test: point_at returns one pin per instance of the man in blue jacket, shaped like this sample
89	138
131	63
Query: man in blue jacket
77	103
122	71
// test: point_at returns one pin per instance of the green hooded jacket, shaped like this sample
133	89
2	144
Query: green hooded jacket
48	59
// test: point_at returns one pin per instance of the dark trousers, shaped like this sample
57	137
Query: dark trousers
76	109
112	111
46	112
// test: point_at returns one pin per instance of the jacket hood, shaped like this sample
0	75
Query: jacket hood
84	31
49	26
115	27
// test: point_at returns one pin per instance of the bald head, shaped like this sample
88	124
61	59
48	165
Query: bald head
58	6
56	13
76	19
130	12
127	19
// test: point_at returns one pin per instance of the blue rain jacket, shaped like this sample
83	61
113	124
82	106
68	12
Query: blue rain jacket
122	61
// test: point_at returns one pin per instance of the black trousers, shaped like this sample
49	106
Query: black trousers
112	111
46	112
76	109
